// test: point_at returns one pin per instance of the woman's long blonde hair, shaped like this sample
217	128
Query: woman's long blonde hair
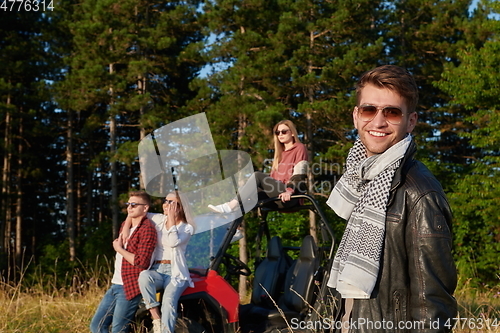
185	214
278	146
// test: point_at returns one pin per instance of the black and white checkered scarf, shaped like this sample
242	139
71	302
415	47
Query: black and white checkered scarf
360	196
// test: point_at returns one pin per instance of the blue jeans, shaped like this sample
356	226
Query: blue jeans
158	277
115	311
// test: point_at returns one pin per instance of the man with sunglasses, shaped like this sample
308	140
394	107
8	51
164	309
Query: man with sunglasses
169	271
116	311
394	269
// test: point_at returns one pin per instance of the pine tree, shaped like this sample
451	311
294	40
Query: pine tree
26	134
129	73
425	36
474	86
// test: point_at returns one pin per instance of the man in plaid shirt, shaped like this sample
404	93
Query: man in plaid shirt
117	308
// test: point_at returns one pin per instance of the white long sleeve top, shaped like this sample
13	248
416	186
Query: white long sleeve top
171	245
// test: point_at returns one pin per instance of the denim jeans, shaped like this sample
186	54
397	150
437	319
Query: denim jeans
158	277
115	311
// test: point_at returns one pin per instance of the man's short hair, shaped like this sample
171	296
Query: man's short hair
141	194
394	78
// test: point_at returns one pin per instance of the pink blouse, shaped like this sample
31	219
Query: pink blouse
289	158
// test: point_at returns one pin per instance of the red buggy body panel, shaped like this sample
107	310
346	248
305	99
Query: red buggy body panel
215	285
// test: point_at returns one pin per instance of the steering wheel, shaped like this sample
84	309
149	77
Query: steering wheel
235	266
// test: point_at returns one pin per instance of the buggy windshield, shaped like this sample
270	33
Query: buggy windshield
210	232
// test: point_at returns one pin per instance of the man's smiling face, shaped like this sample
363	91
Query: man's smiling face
378	134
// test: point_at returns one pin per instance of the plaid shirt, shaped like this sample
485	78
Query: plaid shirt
142	244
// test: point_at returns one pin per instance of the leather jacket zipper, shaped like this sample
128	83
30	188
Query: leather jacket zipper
397	311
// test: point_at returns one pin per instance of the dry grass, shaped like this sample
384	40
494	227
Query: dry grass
43	313
479	310
45	309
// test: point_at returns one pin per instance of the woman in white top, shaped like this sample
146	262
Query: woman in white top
169	270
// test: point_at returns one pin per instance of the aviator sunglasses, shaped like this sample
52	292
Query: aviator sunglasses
392	114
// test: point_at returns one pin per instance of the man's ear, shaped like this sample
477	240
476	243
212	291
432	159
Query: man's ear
412	121
355	116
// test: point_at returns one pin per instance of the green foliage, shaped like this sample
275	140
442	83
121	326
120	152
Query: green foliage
55	272
127	152
290	227
477	230
475	199
98	243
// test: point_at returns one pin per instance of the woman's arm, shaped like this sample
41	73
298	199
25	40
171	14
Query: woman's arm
178	235
125	232
297	182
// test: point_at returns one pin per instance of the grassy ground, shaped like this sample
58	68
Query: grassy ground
43	308
479	311
45	313
38	305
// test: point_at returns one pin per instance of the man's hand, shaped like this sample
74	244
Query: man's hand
118	244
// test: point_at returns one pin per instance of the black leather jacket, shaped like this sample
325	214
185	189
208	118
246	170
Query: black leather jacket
417	274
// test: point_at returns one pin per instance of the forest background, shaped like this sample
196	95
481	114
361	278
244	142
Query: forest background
82	82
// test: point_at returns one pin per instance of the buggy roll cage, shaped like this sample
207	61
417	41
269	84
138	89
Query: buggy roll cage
311	205
306	201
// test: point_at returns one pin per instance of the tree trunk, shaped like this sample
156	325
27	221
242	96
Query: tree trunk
78	207
70	191
90	188
242	123
19	201
141	85
310	175
309	142
5	205
114	183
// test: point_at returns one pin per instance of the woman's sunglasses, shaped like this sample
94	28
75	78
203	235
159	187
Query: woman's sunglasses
169	201
282	132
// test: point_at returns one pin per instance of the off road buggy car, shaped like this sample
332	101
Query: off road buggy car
289	282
